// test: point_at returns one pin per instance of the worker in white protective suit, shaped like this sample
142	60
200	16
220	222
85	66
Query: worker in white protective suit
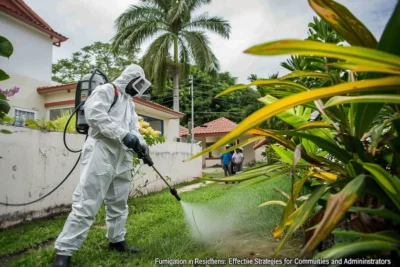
106	164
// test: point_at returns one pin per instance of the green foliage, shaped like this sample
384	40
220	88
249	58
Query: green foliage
178	29
6	50
98	55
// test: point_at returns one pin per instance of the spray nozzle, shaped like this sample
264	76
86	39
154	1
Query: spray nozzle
175	193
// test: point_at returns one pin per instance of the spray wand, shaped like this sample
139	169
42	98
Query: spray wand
171	189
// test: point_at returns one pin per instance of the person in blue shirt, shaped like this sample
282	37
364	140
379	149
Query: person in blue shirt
226	159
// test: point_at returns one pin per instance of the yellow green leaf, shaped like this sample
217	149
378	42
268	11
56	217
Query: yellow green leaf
359	68
314	124
275	82
283	193
366	57
336	208
344	23
284	155
307	209
263	179
272	202
263	114
338	100
312	74
278	231
390	184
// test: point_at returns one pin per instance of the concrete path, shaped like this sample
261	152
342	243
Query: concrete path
213	170
192	187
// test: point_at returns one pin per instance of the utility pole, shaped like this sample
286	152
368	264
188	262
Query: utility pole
192	115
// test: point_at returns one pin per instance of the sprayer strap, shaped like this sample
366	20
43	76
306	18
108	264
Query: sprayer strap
115	96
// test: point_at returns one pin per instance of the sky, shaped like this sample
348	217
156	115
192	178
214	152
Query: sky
252	21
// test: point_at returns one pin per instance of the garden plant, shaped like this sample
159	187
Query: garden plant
344	163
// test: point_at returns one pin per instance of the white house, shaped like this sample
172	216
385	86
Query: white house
30	68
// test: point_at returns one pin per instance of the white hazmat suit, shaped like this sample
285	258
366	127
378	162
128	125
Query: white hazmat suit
105	165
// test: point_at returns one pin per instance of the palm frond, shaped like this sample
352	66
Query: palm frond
165	5
138	13
134	35
205	22
194	4
199	46
178	9
155	60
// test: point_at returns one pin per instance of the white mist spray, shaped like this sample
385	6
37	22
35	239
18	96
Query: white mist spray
208	225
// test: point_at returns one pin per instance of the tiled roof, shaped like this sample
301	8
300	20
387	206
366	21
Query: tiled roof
215	127
55	88
183	131
157	106
21	11
66	87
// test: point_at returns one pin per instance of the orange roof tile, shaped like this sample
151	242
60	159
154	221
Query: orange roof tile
216	127
183	131
21	11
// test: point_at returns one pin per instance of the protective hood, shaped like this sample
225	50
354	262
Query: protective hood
131	72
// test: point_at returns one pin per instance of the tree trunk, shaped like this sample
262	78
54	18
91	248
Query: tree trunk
176	76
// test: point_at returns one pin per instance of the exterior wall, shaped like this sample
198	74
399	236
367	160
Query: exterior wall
258	155
33	162
59	96
248	151
171	129
32	55
27	98
215	154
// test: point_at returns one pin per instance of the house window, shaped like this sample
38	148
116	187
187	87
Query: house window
58	112
26	113
156	124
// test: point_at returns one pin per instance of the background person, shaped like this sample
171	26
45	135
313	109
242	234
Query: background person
237	160
226	162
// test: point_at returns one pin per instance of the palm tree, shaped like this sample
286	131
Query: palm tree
173	25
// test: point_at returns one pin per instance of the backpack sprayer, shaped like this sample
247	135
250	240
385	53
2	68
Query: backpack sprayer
84	88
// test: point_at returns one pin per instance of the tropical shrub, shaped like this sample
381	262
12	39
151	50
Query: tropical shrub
6	50
348	152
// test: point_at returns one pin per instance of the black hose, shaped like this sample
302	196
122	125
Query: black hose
27	203
65	131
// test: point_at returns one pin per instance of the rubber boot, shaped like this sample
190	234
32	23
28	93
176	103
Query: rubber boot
122	247
61	261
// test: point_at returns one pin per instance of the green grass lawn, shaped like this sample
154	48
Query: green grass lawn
157	225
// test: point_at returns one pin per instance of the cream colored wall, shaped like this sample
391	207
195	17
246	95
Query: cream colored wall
33	162
171	129
60	96
258	152
248	151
